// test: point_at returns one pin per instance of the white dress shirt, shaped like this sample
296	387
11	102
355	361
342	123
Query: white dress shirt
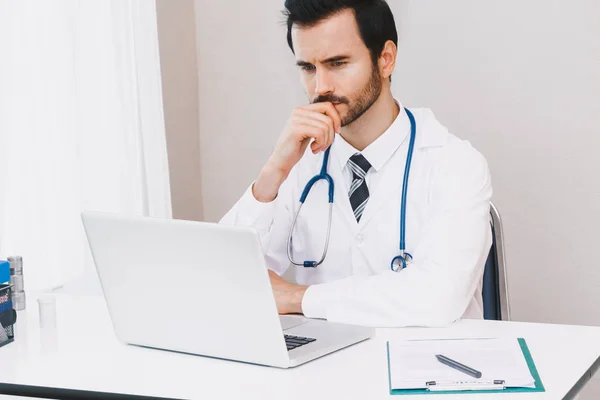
447	230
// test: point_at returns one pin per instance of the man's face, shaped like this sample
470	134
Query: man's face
336	66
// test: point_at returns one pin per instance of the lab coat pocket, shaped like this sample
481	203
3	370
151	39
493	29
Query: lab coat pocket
310	233
298	242
387	243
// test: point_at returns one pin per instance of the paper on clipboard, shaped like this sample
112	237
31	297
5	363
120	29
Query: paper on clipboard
413	363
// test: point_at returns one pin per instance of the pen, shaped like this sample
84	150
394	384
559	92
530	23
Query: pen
458	366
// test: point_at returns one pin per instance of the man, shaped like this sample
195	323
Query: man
346	53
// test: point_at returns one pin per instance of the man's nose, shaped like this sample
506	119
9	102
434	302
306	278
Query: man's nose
323	84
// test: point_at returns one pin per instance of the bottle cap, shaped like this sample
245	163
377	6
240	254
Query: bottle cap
16	264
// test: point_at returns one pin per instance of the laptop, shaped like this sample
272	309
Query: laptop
201	288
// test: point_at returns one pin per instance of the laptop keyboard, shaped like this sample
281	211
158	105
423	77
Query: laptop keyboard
293	342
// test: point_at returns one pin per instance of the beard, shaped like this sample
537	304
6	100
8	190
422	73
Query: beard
361	102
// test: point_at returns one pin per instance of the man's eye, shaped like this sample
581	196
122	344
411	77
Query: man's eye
308	68
338	63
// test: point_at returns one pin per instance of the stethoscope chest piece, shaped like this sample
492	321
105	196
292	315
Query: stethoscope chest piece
400	262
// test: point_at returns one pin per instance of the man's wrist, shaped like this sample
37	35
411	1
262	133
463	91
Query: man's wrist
298	297
267	185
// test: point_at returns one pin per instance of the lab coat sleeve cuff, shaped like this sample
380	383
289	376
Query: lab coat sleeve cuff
315	301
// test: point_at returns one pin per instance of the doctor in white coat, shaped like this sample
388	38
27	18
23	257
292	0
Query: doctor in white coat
346	52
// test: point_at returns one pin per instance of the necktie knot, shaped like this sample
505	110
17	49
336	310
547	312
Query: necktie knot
359	165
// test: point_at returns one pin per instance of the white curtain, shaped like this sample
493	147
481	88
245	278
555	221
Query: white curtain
81	127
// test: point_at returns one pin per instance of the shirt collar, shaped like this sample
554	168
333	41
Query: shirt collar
382	149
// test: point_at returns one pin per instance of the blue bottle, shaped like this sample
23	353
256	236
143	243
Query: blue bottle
5	298
4	272
6	304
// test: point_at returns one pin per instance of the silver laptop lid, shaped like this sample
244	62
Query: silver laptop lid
187	286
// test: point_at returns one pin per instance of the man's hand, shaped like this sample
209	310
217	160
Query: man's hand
317	123
288	297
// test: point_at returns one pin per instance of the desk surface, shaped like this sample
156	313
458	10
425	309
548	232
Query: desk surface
82	353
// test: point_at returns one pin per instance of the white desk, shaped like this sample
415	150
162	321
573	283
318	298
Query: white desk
84	355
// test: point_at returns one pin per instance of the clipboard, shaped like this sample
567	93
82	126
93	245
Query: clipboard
487	387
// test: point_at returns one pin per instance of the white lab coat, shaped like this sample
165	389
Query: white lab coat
447	231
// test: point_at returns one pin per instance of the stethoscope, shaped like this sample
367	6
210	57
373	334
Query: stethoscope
400	261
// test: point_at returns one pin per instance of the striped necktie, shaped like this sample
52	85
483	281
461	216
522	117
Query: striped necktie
359	193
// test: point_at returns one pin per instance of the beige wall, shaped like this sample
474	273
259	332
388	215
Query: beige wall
177	42
518	79
248	86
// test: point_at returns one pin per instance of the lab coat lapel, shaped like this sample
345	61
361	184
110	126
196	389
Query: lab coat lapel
430	133
389	186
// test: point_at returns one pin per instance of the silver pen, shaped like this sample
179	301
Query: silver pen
458	366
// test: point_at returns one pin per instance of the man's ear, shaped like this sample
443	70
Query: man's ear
387	59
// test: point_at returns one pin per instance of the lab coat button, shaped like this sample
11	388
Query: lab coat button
360	239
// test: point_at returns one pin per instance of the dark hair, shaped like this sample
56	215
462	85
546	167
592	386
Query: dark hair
374	19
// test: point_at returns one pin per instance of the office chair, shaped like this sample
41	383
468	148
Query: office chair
495	291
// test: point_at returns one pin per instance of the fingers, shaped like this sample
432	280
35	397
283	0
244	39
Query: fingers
304	131
316	123
320	121
328	109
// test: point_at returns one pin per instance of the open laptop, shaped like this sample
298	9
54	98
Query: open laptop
201	288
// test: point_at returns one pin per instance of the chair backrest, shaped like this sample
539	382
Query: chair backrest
495	290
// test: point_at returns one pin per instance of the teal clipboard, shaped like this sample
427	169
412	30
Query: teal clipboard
539	386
